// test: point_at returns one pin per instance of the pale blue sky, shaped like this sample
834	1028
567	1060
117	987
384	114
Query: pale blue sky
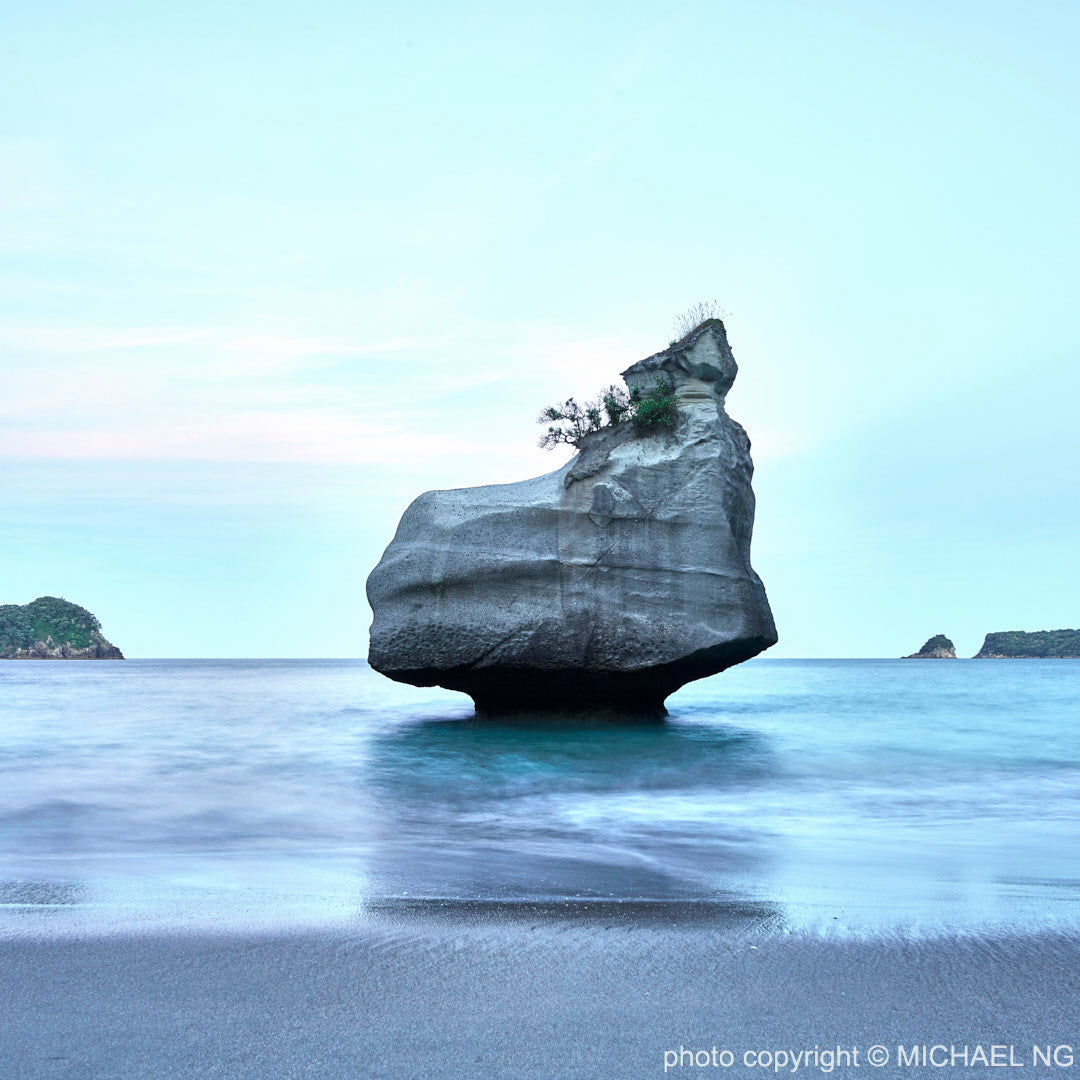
269	271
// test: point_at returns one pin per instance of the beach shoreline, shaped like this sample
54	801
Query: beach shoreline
590	998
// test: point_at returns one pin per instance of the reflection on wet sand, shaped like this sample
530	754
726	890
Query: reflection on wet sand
727	915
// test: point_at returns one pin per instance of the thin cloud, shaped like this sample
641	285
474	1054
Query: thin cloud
298	437
68	340
160	394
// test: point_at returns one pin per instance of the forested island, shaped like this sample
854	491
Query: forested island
1031	645
51	628
939	647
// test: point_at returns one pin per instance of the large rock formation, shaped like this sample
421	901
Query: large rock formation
608	583
939	647
51	628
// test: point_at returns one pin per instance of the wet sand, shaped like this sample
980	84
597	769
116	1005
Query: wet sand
527	995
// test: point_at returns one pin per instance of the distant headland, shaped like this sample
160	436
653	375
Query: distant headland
51	628
1034	645
1009	645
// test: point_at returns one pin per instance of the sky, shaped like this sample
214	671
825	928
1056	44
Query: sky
268	271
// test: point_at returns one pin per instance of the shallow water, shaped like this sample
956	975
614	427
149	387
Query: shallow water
847	796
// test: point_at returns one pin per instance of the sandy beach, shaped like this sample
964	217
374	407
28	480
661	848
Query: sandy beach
598	995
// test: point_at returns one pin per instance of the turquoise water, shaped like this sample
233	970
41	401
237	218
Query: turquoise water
849	796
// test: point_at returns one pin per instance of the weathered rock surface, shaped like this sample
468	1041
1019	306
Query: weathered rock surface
52	650
607	583
51	628
939	647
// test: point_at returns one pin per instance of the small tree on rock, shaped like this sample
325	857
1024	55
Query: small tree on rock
570	422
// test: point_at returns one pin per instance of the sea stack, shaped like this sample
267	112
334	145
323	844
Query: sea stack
604	585
939	647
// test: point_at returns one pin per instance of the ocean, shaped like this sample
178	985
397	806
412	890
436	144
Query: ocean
848	797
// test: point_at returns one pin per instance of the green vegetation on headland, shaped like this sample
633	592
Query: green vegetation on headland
51	628
1031	645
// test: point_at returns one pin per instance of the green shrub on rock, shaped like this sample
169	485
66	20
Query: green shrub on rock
571	422
656	409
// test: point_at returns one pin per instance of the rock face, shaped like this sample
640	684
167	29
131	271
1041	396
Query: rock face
939	647
608	583
1031	645
50	628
